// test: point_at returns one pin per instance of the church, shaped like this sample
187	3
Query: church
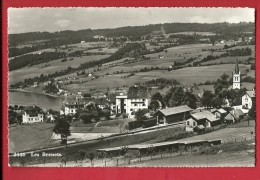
236	77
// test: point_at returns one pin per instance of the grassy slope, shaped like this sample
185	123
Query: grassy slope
56	65
30	136
225	159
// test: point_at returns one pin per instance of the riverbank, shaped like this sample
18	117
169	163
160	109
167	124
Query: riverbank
36	92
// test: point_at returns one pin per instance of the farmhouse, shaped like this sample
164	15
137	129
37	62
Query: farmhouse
204	118
135	99
71	107
175	114
234	116
219	113
248	99
32	114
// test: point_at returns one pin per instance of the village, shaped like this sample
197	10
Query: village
157	93
139	111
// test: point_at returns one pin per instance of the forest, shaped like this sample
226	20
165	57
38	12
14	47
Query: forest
43	40
33	59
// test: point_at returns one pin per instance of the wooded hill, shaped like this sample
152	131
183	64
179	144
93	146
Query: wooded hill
41	40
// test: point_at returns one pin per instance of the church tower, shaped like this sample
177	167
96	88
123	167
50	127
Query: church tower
236	77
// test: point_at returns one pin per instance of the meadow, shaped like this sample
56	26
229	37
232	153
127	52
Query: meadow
30	136
199	75
56	65
192	33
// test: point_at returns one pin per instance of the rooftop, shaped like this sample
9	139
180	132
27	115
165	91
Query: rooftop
139	92
221	111
32	108
205	114
234	114
251	93
175	110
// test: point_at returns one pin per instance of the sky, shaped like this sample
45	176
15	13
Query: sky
22	20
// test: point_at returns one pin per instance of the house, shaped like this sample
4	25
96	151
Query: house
71	107
32	114
204	118
79	92
219	113
135	99
112	101
234	116
175	114
35	84
50	117
248	99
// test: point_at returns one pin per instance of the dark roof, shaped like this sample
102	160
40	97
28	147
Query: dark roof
204	115
151	119
237	68
112	97
32	108
175	110
139	92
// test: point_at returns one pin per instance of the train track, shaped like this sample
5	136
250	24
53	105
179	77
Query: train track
132	132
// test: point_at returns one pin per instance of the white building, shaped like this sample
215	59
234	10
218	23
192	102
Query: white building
136	99
32	114
71	107
248	99
236	77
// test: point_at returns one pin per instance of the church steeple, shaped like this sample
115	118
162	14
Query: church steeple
236	68
236	77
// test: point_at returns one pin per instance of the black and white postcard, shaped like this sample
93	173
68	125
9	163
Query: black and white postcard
131	87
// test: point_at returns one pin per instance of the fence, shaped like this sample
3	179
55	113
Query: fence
134	160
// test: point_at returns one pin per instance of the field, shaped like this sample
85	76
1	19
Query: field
30	136
89	44
56	65
192	33
227	134
241	159
104	50
234	133
228	60
199	74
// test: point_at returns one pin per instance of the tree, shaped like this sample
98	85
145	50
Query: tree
91	157
86	95
251	112
11	120
19	118
86	116
21	108
177	97
11	108
140	114
157	96
105	113
221	83
154	105
62	127
15	107
82	154
206	98
215	102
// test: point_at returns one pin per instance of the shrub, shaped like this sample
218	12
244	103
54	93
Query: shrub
82	154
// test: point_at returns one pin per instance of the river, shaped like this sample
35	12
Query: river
29	98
